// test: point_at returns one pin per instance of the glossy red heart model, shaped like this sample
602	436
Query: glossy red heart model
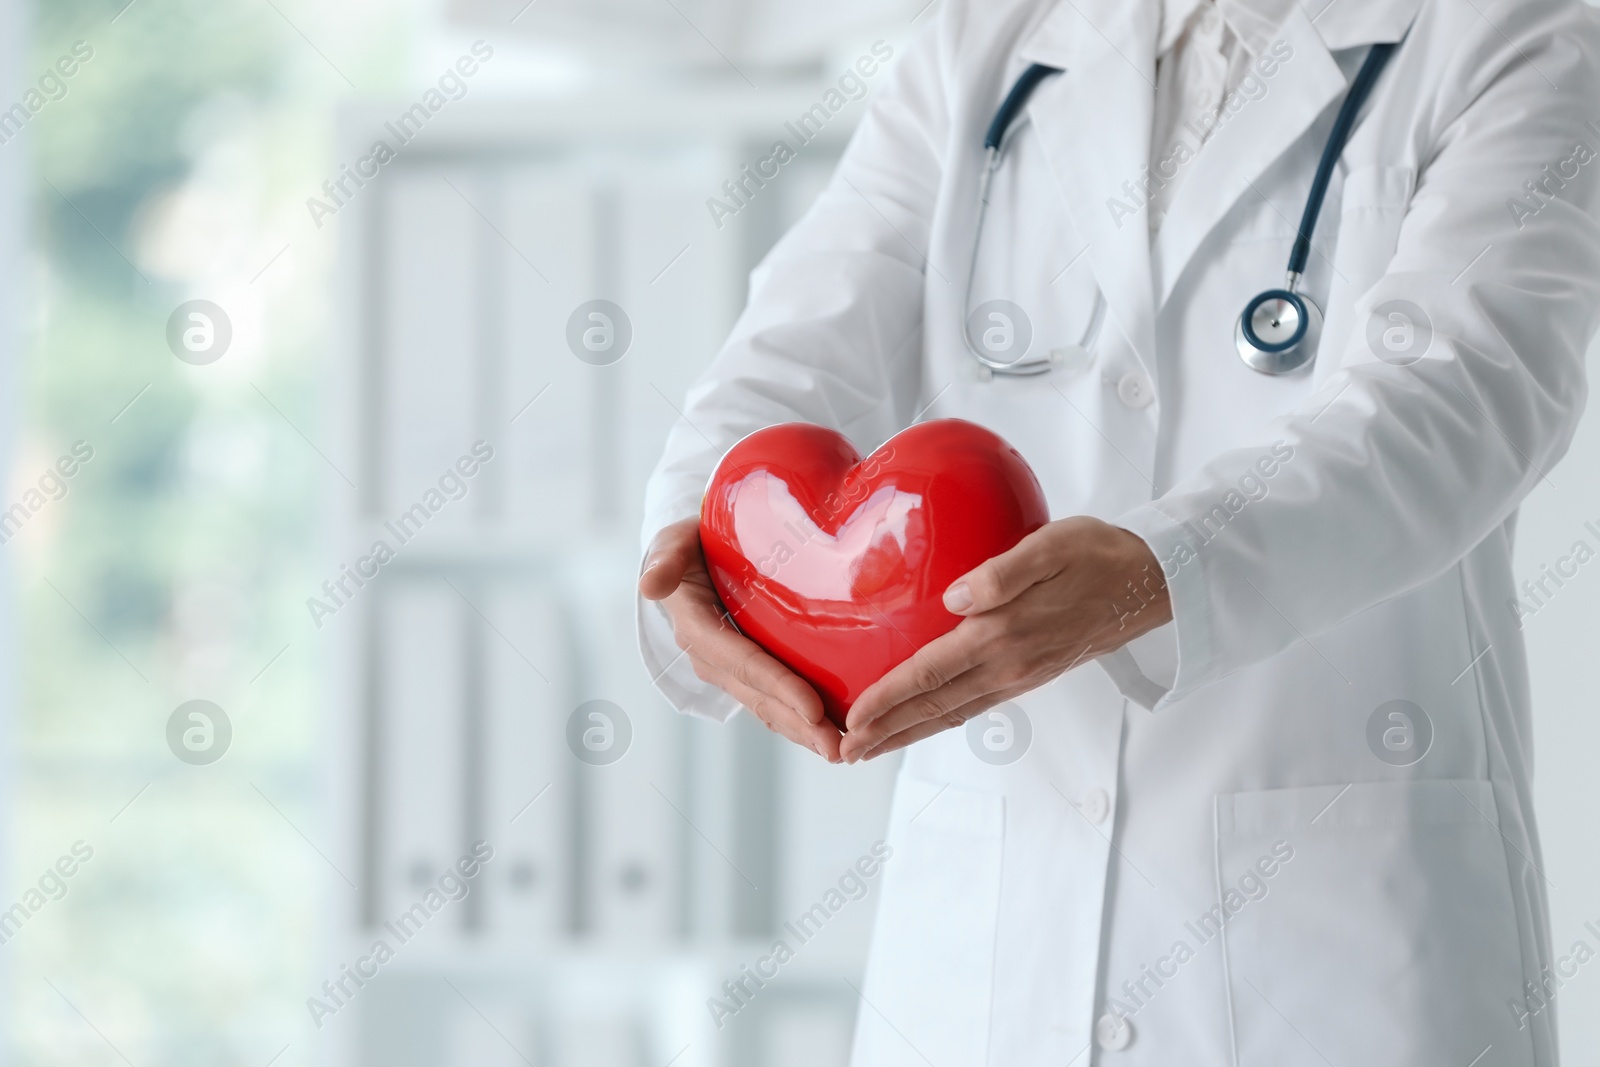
836	565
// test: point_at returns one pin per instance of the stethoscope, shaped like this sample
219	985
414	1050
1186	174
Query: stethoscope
1278	330
993	152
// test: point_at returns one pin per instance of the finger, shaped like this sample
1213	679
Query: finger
825	742
670	557
928	668
698	623
1001	578
909	736
912	734
753	668
940	707
779	717
725	658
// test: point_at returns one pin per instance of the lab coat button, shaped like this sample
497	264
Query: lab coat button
1113	1032
1136	390
1096	805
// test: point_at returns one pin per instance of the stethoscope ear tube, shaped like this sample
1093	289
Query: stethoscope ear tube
1360	89
993	150
1015	99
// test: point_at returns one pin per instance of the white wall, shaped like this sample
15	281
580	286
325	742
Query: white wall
1563	653
12	200
752	35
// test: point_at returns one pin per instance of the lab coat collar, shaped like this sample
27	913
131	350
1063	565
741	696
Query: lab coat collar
1255	130
1107	49
1300	90
1069	28
1093	123
1257	23
1352	23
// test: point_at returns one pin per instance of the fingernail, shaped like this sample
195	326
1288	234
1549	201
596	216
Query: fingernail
958	598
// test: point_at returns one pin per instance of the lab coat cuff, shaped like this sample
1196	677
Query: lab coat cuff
1189	631
670	670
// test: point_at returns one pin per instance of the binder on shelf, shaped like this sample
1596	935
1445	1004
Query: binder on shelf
428	387
421	814
527	811
549	256
634	822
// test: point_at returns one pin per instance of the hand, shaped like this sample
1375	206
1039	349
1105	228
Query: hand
1071	590
675	574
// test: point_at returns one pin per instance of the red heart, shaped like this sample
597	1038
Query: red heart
838	566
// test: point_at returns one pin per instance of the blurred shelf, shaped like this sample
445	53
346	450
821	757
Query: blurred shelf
467	955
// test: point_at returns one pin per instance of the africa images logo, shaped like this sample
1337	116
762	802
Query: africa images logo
852	885
1252	87
451	887
453	485
740	190
339	190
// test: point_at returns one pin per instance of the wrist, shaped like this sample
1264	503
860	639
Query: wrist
1142	601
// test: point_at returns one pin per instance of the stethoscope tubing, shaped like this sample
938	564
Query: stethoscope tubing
1296	351
994	144
1260	354
1360	89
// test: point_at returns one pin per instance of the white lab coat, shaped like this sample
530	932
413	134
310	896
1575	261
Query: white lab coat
1025	902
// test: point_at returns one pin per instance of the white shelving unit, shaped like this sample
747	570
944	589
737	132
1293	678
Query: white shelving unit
620	899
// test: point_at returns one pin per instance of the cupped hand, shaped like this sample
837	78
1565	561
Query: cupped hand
1070	591
675	574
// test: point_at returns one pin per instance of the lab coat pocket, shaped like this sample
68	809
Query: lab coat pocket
1369	924
926	996
1372	208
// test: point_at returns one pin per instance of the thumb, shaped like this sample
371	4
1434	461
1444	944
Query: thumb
997	580
670	557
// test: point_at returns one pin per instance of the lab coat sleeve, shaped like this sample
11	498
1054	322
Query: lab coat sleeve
832	333
1389	475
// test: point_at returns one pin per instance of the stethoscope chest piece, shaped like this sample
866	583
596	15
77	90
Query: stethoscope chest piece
1278	332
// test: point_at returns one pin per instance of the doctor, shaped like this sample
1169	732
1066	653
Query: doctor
1276	805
